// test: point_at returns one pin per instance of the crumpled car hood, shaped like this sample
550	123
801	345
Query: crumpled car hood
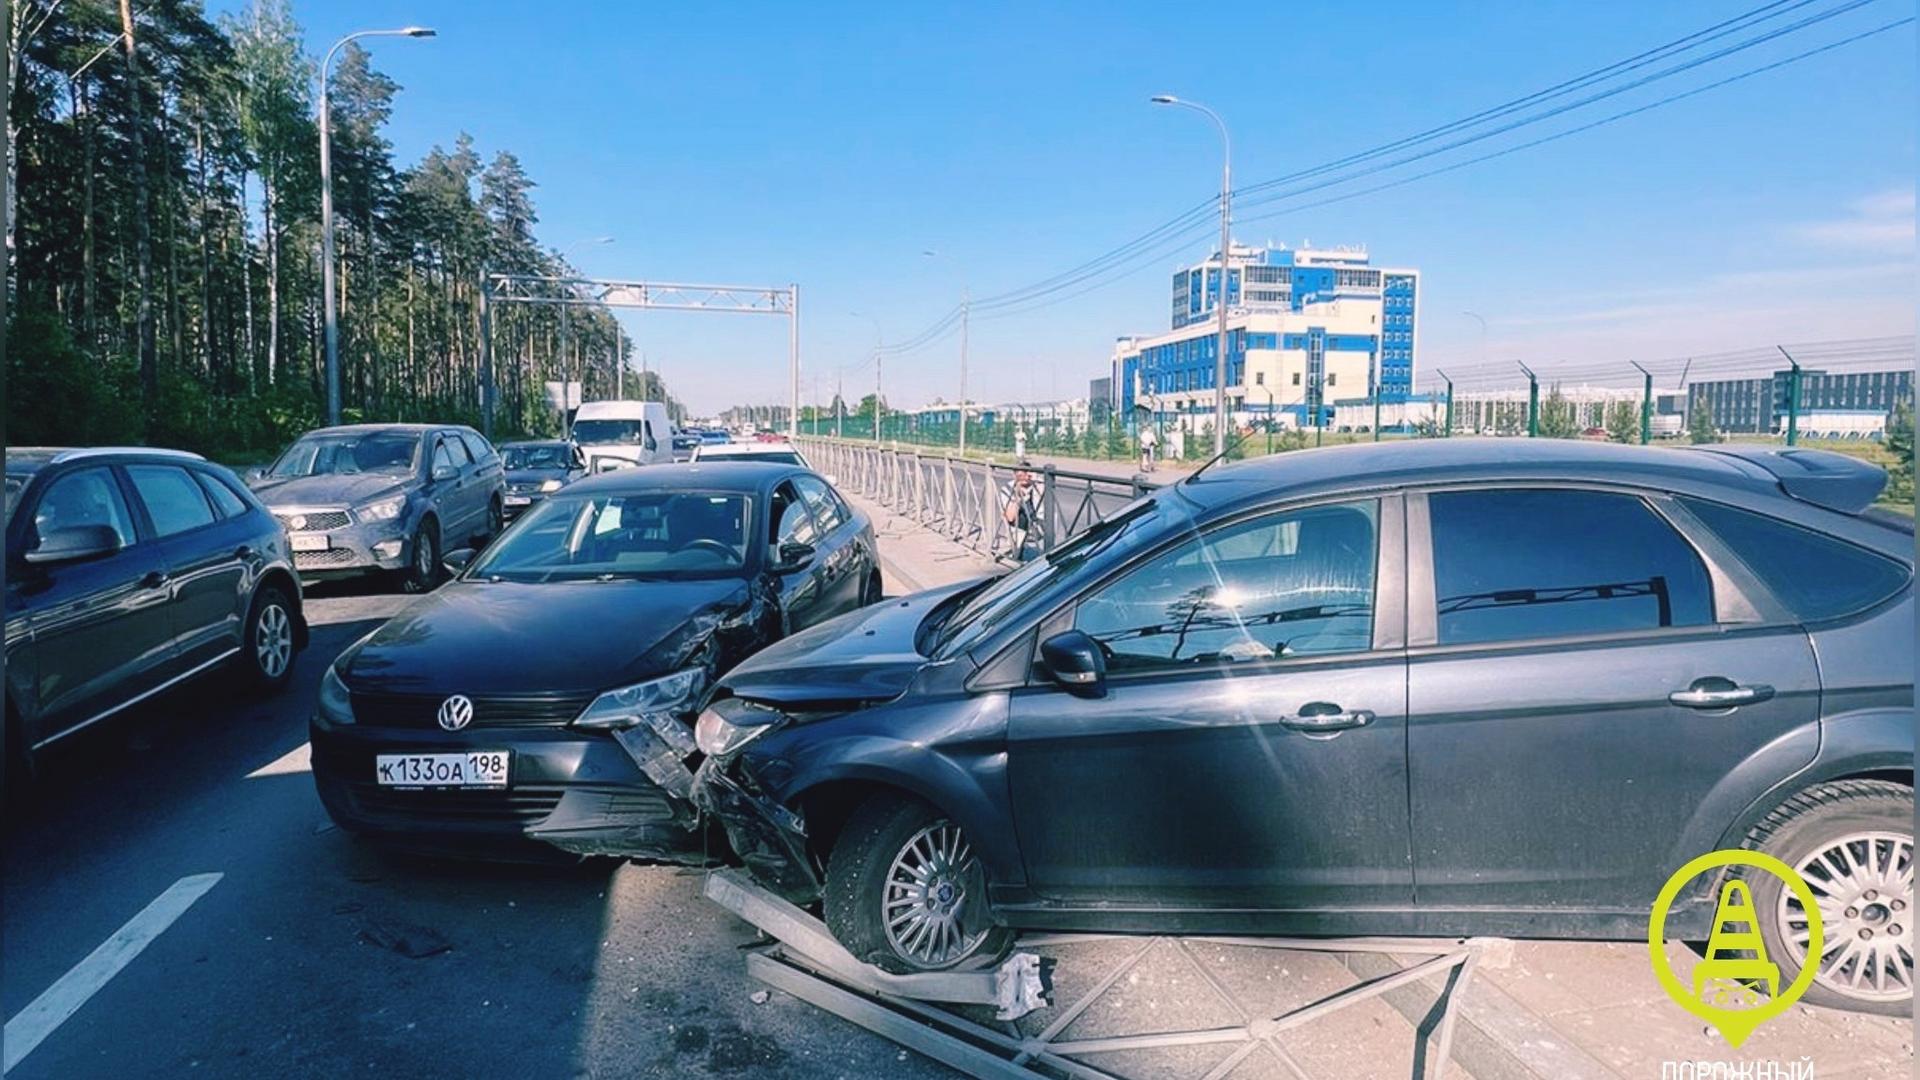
864	655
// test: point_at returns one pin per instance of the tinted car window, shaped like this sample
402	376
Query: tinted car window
1816	577
1298	583
84	497
1520	564
173	500
224	500
442	457
476	446
456	450
825	509
794	524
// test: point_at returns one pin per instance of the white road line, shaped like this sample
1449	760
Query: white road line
296	760
61	1000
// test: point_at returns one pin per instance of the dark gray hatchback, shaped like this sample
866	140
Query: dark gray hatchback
1446	687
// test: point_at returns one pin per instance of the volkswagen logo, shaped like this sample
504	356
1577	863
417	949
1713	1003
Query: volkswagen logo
456	712
297	522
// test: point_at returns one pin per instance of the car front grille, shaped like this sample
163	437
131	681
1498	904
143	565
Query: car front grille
423	710
515	805
315	520
524	489
314	560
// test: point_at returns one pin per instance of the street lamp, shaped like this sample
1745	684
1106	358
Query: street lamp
326	213
1226	242
966	308
878	343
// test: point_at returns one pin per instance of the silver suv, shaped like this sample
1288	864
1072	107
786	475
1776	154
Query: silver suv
370	498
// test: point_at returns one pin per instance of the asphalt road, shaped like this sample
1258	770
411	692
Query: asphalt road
294	962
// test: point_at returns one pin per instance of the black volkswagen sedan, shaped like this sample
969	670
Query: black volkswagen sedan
537	468
1452	687
547	692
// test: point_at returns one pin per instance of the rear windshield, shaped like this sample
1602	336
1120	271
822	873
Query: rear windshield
1815	576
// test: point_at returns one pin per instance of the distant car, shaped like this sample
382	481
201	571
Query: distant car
369	498
128	571
769	435
684	444
1445	687
782	453
535	469
615	434
548	691
714	437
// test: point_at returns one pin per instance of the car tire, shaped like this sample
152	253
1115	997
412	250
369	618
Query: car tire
871	591
869	872
1868	826
268	649
19	769
423	567
496	521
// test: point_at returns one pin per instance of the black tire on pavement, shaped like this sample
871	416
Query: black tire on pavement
267	651
1870	821
496	521
857	890
423	567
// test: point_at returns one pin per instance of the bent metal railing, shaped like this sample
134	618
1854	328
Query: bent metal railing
967	501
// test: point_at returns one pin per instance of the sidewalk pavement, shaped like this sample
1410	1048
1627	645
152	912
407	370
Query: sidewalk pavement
1555	1009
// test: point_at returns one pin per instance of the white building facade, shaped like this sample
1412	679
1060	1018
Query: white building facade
1306	327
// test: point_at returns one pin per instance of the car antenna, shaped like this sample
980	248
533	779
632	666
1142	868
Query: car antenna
1224	451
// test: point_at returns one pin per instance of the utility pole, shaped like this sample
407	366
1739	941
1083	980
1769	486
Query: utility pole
1646	404
839	402
1533	402
1793	397
1226	243
1446	431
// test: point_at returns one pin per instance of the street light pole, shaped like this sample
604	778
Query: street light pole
1226	242
331	320
879	343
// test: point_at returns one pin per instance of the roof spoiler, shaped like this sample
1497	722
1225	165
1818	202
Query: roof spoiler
1821	477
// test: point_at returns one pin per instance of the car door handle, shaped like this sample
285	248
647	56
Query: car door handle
243	552
1715	692
154	579
1321	718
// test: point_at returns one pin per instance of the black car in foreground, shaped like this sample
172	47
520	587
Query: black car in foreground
1445	687
547	692
129	571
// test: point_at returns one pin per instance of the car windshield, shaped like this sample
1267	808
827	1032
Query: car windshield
780	457
536	457
988	608
654	534
606	432
323	455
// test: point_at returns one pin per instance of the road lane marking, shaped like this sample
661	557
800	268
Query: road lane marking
297	760
61	1000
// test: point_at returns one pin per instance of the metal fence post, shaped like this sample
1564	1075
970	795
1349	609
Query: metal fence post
1049	507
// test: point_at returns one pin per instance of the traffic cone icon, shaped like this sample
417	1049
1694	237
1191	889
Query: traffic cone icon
1736	959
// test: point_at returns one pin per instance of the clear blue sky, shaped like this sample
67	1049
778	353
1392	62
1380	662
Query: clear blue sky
829	145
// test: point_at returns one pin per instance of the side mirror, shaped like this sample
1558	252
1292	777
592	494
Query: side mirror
254	475
458	560
74	544
1076	662
445	472
793	556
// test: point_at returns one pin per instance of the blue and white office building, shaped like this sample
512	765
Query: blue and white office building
1306	327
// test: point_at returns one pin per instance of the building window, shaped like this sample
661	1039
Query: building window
1259	378
1296	378
1332	377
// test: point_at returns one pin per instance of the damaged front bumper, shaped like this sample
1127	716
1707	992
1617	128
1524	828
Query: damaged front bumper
769	839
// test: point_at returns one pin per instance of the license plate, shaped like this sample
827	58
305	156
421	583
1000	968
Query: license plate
475	769
310	542
518	500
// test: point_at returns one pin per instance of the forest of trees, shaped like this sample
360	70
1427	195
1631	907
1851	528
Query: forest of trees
163	242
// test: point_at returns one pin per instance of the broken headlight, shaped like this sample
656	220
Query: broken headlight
730	723
669	695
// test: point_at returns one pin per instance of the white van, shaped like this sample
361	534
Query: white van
617	434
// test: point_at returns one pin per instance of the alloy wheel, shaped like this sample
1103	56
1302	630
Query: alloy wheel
273	640
924	904
1863	883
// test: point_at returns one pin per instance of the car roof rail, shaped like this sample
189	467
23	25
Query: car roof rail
1822	477
103	451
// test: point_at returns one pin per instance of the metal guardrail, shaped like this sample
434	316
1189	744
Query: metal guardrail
967	501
